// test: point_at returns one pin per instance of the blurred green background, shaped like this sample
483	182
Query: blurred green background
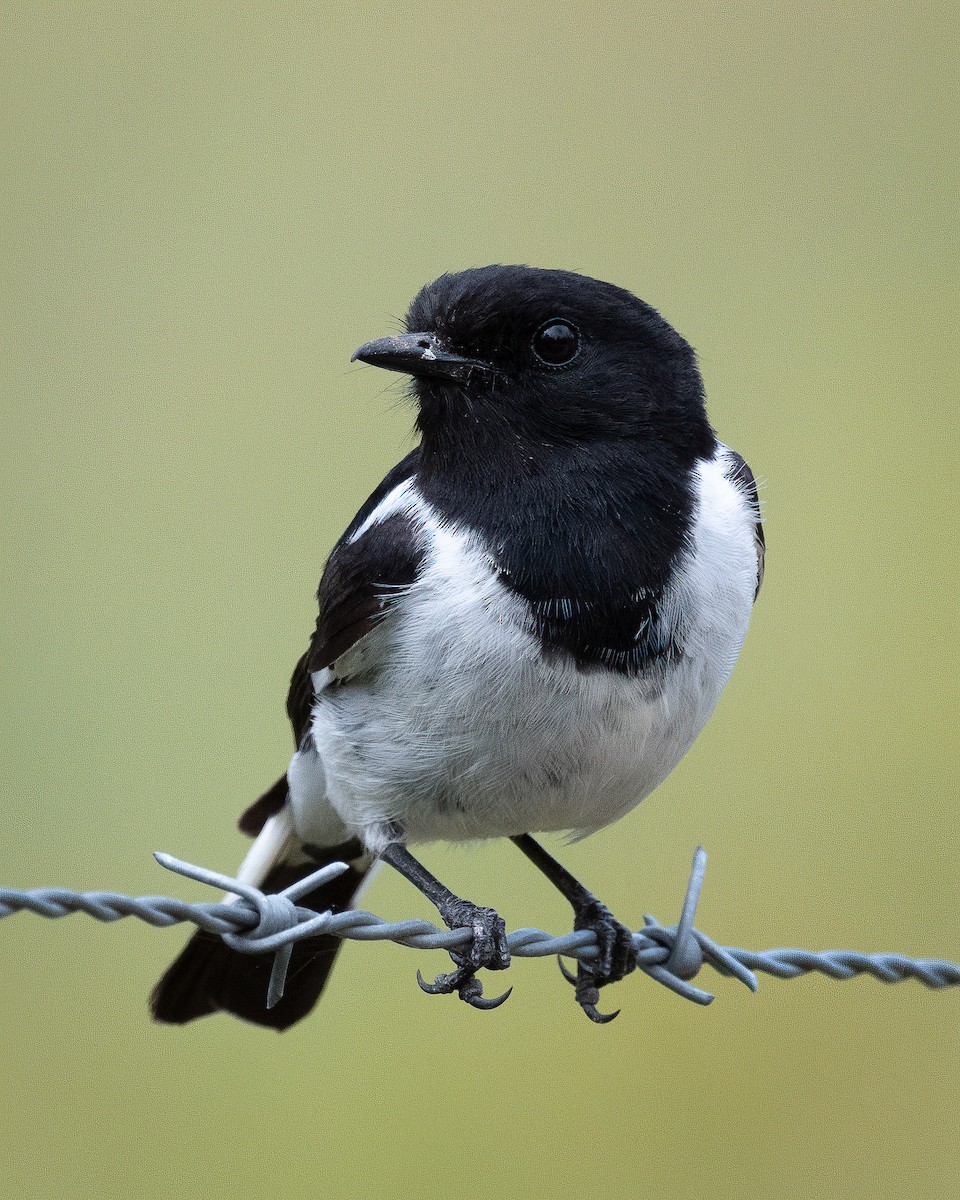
206	209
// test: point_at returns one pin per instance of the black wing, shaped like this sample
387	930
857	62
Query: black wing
359	582
742	478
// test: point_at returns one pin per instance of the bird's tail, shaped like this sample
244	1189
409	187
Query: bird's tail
209	977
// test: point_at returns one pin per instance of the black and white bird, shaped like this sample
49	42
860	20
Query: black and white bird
522	630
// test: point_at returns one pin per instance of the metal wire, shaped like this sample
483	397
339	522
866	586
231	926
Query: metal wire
254	922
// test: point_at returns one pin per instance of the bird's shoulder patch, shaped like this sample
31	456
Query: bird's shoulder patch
363	577
374	563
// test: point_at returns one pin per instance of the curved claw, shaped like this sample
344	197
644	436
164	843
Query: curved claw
566	972
597	1017
478	1000
467	986
437	988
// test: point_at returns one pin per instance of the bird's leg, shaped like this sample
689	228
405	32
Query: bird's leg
614	940
488	948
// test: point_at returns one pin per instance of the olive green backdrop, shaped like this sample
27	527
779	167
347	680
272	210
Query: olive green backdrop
207	208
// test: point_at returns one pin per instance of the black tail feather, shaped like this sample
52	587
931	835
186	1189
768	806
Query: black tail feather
209	977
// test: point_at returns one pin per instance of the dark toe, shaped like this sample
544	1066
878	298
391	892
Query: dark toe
489	946
588	995
616	957
488	950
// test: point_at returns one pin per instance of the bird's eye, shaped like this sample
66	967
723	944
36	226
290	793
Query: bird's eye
556	343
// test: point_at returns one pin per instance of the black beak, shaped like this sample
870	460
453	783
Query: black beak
421	354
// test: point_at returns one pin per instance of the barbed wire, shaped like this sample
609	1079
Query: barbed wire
255	922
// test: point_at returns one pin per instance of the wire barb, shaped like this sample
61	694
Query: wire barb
255	922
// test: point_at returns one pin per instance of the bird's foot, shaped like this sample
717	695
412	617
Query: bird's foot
615	957
487	950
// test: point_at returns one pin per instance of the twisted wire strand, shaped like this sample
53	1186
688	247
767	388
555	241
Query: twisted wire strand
254	922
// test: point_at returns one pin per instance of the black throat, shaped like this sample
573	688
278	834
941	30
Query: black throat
590	535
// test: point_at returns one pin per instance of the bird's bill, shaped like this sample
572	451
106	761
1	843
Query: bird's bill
420	354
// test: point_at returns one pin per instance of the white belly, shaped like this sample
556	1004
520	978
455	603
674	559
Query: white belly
457	727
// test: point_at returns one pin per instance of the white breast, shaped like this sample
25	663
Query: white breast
461	729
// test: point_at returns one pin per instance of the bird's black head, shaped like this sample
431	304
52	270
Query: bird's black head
513	357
